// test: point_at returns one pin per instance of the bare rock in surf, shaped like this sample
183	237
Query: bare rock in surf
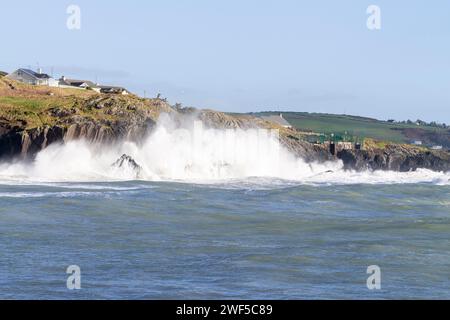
127	163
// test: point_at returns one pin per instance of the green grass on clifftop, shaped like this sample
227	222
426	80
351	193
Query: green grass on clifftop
37	106
365	127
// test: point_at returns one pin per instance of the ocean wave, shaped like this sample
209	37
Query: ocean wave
68	194
195	155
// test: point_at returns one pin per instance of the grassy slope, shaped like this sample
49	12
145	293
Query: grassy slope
357	126
21	102
32	105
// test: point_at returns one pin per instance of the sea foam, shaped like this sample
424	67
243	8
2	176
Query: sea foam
192	153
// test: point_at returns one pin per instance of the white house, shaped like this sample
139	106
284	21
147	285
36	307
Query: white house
113	90
278	120
31	77
86	84
78	84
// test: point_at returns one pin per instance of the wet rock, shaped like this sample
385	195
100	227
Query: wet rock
126	162
37	139
61	112
395	158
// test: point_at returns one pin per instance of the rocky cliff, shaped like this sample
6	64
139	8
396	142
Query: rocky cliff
31	118
396	158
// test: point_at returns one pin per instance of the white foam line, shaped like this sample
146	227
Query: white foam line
55	194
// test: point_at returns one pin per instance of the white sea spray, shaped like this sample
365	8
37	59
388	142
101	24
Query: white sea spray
193	153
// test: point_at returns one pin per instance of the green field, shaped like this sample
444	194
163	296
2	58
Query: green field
361	127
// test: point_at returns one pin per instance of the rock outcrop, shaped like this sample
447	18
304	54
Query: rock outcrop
396	158
127	163
10	138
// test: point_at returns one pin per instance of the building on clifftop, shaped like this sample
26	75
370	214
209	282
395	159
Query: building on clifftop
31	77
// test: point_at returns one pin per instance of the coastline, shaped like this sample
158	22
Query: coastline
38	117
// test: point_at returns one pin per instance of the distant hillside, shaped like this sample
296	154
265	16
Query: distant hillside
3	73
367	128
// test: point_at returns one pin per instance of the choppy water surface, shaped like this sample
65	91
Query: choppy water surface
243	239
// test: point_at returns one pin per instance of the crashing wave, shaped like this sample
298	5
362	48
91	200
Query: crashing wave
195	154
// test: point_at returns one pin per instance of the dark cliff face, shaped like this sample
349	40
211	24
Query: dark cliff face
395	158
305	150
16	142
10	139
102	119
35	140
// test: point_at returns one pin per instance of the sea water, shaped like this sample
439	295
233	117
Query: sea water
242	239
202	224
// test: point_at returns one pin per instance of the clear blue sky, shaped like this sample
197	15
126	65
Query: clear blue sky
247	55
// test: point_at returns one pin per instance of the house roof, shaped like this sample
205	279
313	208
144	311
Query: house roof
278	119
35	74
78	83
112	88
